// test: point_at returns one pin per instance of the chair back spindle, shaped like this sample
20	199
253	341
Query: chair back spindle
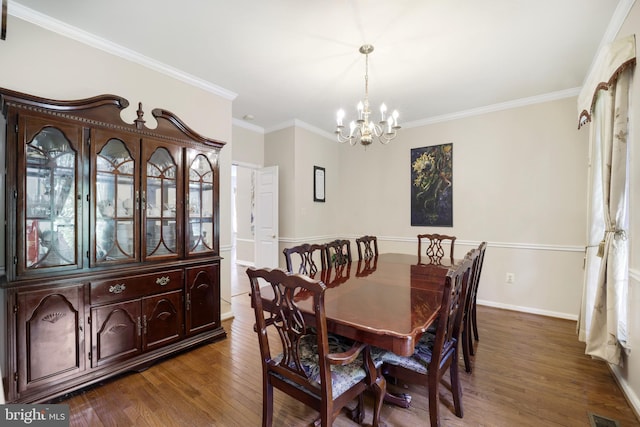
474	321
367	247
434	250
473	256
306	257
338	252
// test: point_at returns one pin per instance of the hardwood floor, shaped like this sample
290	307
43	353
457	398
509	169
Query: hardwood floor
529	371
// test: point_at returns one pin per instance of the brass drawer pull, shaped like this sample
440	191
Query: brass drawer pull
116	289
163	281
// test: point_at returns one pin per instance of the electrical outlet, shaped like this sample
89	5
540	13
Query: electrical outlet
510	278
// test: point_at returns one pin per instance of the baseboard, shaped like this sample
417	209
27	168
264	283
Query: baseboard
627	391
530	310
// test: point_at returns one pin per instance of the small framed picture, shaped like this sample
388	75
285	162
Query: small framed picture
318	184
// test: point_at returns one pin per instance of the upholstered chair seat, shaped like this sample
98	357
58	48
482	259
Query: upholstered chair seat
343	377
417	362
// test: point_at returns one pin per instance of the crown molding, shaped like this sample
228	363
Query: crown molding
296	123
619	15
522	102
59	27
313	129
300	124
246	125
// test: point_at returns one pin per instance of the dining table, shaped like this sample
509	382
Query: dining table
387	301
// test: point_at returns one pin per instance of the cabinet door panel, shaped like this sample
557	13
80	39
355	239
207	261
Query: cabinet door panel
116	332
116	198
162	319
202	298
162	203
50	335
202	235
48	221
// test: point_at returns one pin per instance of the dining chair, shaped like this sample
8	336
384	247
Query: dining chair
367	247
482	248
434	247
307	256
338	252
435	353
323	374
466	335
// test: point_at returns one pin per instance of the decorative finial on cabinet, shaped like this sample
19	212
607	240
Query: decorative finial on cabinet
139	121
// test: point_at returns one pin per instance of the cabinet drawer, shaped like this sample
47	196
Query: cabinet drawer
129	287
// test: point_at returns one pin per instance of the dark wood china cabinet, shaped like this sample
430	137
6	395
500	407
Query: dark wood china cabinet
111	242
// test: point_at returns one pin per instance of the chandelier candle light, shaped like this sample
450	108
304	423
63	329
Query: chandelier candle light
362	130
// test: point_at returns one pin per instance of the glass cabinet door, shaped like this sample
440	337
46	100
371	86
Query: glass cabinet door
50	232
202	202
160	203
116	203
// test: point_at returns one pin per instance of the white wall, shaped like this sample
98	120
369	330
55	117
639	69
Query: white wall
296	150
280	151
46	64
316	221
248	146
519	182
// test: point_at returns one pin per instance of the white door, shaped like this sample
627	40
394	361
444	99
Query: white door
266	218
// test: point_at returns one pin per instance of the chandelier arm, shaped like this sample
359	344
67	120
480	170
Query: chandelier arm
342	139
377	129
384	139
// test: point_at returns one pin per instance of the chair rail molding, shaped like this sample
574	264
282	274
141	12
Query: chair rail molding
470	243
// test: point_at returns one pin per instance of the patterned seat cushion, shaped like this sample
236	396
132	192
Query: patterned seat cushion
418	361
343	377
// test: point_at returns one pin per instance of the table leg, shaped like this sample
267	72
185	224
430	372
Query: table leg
402	400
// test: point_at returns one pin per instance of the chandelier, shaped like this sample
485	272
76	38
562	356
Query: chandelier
362	130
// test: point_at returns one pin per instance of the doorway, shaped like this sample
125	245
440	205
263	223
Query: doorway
255	237
242	223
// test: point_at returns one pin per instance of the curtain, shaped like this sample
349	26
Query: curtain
603	319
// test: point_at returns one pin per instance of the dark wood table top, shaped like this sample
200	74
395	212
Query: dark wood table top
388	301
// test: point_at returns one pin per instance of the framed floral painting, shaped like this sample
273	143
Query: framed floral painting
432	186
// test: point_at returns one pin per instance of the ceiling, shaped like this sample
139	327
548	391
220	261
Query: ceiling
298	60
